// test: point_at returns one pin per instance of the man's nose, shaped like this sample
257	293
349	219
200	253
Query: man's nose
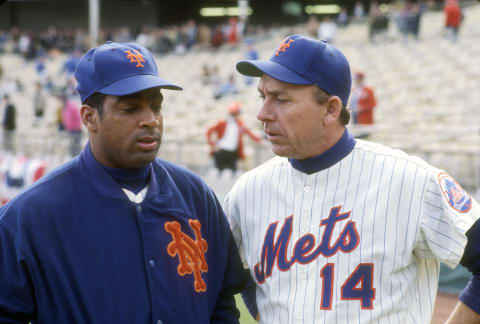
150	119
265	112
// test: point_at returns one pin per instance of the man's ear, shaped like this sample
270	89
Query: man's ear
90	117
334	107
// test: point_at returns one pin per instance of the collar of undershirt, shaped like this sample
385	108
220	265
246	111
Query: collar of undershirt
328	158
134	180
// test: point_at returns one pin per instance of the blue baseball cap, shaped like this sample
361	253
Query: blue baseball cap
118	69
303	60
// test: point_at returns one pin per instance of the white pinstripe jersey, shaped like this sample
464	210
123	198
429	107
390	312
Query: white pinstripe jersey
358	242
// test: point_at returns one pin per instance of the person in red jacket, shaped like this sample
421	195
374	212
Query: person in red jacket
453	18
363	101
227	148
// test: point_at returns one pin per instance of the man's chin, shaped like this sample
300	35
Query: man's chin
143	159
279	150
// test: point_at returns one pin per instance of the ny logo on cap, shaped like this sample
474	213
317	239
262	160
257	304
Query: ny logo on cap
283	46
135	57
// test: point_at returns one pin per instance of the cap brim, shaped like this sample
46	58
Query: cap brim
136	83
256	68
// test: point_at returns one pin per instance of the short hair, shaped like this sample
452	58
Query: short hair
321	96
96	101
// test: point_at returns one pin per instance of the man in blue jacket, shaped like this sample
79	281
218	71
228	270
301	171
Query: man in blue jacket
117	235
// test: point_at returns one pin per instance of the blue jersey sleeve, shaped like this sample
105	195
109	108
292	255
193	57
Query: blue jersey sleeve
16	293
235	276
250	299
470	296
471	260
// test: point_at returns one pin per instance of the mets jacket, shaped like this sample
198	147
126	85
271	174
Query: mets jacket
74	249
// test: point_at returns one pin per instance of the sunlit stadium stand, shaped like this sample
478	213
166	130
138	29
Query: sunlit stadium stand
427	93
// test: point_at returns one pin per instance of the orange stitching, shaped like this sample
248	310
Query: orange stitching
283	46
135	57
191	253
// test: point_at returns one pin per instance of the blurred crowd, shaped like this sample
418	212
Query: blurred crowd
35	46
160	40
405	14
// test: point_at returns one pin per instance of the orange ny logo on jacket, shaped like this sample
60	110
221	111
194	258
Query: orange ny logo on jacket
135	57
191	253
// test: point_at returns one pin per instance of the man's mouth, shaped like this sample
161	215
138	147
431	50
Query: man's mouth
148	143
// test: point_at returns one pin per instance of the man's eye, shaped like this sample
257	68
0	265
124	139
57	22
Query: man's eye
157	108
129	109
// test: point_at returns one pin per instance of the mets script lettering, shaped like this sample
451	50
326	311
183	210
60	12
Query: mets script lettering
191	253
304	251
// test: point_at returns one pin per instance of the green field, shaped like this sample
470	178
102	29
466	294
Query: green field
245	317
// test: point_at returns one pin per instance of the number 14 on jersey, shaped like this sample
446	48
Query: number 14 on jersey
358	286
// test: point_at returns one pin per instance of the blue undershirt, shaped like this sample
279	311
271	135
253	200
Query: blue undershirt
328	158
134	179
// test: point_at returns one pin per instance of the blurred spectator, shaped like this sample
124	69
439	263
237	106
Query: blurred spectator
407	16
71	62
363	101
228	88
415	11
39	102
358	11
400	16
342	18
233	31
227	147
181	40
72	123
40	69
312	26
191	31
9	124
327	29
378	23
205	74
3	41
218	38
209	75
145	38
203	35
252	54
24	44
59	117
453	18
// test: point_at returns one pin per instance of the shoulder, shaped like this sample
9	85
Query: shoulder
219	123
383	150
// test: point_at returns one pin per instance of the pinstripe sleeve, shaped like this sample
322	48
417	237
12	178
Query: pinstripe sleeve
233	216
447	212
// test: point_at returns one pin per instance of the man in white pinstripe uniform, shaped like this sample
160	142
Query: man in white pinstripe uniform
339	230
